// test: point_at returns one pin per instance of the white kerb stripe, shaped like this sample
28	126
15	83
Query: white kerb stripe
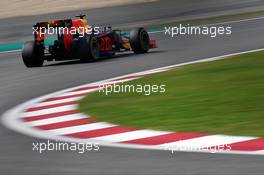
77	92
50	110
207	141
81	128
57	119
130	135
40	104
117	81
258	152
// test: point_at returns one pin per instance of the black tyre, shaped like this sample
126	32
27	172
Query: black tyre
139	40
33	54
88	48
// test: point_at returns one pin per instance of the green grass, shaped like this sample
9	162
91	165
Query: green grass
220	97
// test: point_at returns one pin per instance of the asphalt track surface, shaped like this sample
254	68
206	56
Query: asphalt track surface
20	28
18	84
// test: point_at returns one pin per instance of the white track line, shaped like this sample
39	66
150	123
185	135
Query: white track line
227	22
219	23
11	51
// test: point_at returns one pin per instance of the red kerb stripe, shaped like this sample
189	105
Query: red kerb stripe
128	77
64	97
51	106
250	145
66	124
101	132
85	88
166	138
51	115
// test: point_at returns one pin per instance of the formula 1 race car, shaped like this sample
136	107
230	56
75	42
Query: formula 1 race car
75	39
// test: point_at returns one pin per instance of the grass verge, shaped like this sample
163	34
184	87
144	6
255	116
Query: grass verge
220	97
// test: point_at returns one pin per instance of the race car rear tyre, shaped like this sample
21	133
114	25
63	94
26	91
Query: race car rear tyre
88	48
33	54
139	40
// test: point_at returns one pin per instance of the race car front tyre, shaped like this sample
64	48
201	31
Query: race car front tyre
139	40
88	48
33	54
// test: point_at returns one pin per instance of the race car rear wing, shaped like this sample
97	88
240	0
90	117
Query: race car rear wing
40	28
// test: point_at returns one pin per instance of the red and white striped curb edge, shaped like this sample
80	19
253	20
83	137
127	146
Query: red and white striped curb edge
56	116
